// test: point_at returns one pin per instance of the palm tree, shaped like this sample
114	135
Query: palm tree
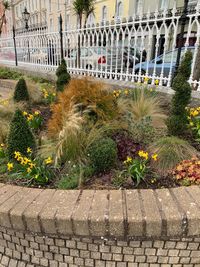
6	6
82	8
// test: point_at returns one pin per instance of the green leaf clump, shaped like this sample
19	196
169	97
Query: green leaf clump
103	155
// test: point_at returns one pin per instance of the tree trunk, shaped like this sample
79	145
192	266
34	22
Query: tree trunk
196	75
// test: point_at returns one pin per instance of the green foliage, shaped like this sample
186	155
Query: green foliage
6	73
171	151
63	76
103	155
177	122
21	91
20	136
136	168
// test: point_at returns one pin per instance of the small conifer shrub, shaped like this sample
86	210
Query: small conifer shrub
20	136
63	77
21	91
177	122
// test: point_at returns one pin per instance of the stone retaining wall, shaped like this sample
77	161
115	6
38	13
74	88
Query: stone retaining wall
99	228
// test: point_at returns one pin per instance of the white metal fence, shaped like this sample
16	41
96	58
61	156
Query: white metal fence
128	50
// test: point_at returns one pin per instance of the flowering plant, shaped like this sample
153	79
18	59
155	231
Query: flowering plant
36	170
49	97
194	121
188	171
137	168
34	119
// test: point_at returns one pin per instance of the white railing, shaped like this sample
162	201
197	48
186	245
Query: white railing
128	50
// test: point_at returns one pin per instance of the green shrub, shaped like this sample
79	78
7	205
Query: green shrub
20	136
21	91
63	76
5	73
177	122
103	155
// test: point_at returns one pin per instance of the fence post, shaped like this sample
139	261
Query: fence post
183	20
61	37
16	62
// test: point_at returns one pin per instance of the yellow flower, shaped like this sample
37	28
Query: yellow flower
37	113
17	154
151	89
36	176
128	160
126	92
146	79
30	117
25	113
29	150
155	157
9	166
48	160
26	161
143	154
28	170
157	82
191	124
31	165
54	94
2	145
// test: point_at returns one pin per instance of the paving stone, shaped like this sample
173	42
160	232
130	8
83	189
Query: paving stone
32	212
81	214
116	217
171	212
152	214
98	214
134	213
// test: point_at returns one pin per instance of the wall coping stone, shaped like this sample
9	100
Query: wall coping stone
161	213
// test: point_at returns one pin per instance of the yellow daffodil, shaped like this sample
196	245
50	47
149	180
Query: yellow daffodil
157	82
28	170
126	92
37	113
48	160
25	113
155	157
17	154
31	165
2	145
146	79
128	160
143	154
29	150
30	117
9	166
54	94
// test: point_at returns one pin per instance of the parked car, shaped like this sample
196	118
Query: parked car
105	59
162	62
38	55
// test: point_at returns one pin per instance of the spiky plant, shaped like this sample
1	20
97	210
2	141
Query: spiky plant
171	151
142	106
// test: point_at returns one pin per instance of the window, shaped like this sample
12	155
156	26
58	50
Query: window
119	9
51	25
104	13
163	4
138	7
50	7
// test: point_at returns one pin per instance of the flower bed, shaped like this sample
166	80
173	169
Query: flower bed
87	136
